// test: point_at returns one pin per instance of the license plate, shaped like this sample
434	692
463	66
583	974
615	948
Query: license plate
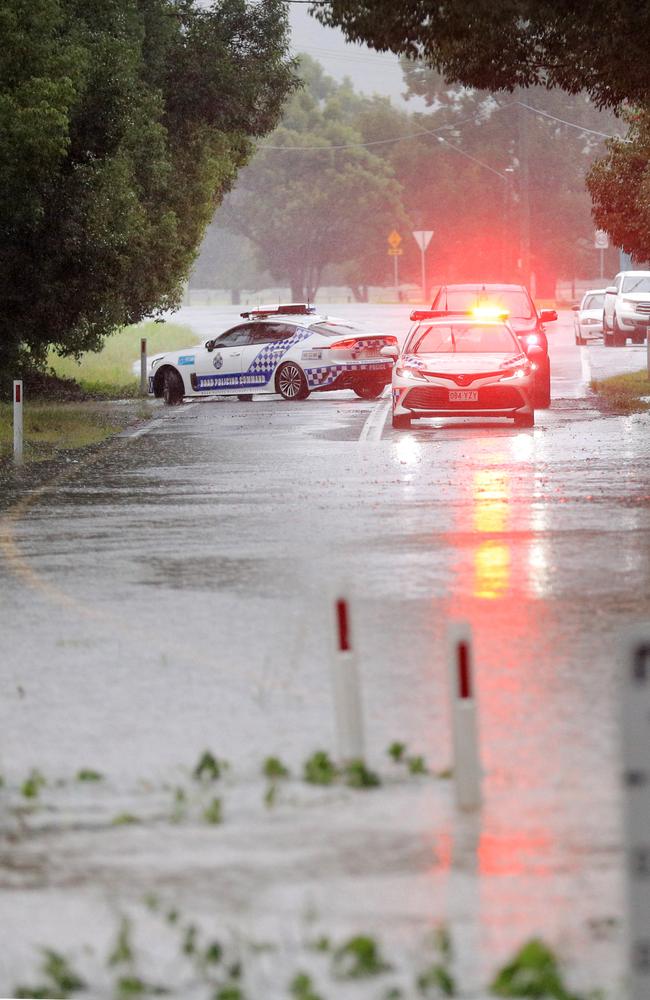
463	395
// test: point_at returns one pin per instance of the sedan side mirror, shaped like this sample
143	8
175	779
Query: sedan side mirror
612	290
209	345
390	351
548	315
576	308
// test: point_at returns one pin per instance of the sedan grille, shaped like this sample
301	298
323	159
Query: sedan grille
491	397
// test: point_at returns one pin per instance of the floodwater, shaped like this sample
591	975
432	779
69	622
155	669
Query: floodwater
172	592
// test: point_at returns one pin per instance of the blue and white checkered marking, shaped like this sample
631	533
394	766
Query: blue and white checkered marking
267	360
318	377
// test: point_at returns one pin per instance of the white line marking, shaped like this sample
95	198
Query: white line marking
152	424
374	425
585	365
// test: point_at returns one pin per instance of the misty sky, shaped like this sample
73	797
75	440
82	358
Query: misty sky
371	72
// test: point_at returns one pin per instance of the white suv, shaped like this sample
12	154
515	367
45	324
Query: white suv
627	308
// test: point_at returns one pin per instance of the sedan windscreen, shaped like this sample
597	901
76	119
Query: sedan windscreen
463	339
594	302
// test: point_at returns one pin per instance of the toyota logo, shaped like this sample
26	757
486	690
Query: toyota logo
462	379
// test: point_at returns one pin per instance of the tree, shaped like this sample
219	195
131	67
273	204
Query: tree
314	196
599	46
124	123
619	185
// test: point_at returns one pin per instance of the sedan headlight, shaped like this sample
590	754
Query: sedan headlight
408	372
519	372
590	321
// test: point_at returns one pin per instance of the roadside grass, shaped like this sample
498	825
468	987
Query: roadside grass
109	373
623	393
53	427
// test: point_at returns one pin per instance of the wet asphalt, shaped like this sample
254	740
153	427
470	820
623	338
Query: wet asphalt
171	591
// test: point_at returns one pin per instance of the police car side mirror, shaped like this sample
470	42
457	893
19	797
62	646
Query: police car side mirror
390	352
209	345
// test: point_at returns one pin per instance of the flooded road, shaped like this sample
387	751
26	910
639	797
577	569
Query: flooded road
171	593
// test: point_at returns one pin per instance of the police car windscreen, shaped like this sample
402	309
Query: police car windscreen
516	303
459	339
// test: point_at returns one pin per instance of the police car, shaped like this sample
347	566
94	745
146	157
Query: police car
463	365
287	349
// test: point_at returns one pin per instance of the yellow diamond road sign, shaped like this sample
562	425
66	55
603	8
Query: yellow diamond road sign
394	239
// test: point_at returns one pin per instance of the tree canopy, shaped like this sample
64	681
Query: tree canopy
314	196
124	123
599	46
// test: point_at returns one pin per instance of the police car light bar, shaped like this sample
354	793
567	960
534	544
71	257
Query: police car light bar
290	309
479	312
419	314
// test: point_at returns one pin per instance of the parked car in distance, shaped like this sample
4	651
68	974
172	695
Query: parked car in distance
523	317
588	319
626	312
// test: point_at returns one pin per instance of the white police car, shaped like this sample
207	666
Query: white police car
286	349
463	365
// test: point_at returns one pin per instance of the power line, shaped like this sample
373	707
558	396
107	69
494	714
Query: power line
563	121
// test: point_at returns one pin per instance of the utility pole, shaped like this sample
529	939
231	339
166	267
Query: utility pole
523	155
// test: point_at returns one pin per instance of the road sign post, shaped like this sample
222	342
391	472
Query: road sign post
395	251
601	243
18	421
423	237
636	777
143	366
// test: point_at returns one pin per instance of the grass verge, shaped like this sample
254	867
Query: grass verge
109	373
53	427
624	393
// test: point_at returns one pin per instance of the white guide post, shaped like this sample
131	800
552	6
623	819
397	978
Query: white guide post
647	349
636	780
143	366
467	764
18	420
346	687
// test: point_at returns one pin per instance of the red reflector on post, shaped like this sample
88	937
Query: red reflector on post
464	678
342	619
17	392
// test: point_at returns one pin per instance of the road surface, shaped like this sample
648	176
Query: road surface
171	593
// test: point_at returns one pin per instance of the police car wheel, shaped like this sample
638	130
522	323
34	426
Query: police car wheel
245	397
172	388
369	390
291	382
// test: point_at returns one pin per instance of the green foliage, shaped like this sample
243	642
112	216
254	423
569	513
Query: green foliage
358	958
502	45
213	813
302	987
624	393
88	774
417	765
357	775
271	795
32	785
274	769
61	980
436	981
396	751
124	819
231	991
319	769
123	126
533	972
135	986
619	185
209	767
122	952
340	189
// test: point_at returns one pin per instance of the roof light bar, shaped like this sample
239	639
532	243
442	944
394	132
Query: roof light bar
289	309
